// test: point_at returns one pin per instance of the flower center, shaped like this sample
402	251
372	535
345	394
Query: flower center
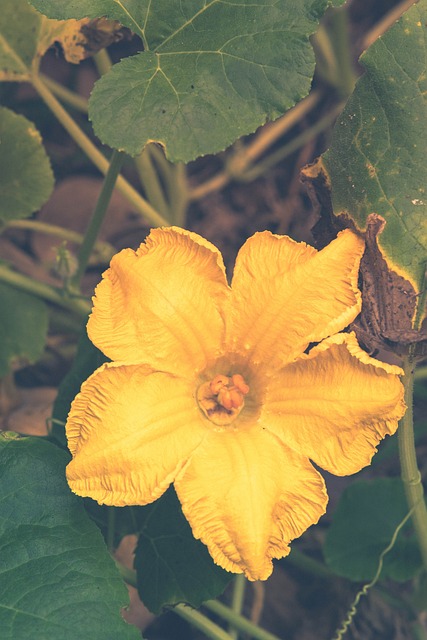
222	398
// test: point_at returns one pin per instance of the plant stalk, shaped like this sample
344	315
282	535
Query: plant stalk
247	155
79	306
198	620
104	250
237	601
98	216
151	183
410	474
238	621
71	98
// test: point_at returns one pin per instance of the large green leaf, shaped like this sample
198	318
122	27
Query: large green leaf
377	159
26	178
210	73
23	328
179	566
57	579
363	526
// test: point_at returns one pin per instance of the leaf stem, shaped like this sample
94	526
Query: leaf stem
150	182
98	159
410	474
79	306
267	136
309	565
98	216
102	61
71	98
300	140
174	179
104	249
238	621
386	22
246	155
198	620
237	600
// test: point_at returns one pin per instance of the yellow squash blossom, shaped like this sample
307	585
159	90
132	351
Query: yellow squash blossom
211	387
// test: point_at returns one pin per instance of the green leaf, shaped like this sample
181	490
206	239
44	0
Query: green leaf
23	328
26	178
57	579
87	360
179	567
210	73
363	526
19	29
376	162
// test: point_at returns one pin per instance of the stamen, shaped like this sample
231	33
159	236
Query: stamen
240	383
222	399
218	382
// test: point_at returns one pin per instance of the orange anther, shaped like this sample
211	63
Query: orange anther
236	398
218	382
239	382
224	398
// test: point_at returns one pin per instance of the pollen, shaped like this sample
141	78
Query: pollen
222	398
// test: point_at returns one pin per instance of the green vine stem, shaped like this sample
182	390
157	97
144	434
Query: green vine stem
333	52
299	141
150	182
201	622
104	250
174	179
246	155
71	98
98	159
269	135
410	474
77	305
98	216
237	601
178	194
238	621
102	61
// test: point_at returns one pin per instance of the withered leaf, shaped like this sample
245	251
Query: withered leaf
389	300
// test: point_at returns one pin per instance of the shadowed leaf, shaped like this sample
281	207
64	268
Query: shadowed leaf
376	162
57	579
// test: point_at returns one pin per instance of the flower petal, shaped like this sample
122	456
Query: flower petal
130	431
162	304
286	294
246	496
335	405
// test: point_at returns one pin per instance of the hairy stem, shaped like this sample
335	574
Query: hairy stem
98	216
410	474
245	156
238	621
104	249
71	98
299	141
77	305
198	620
237	600
150	182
